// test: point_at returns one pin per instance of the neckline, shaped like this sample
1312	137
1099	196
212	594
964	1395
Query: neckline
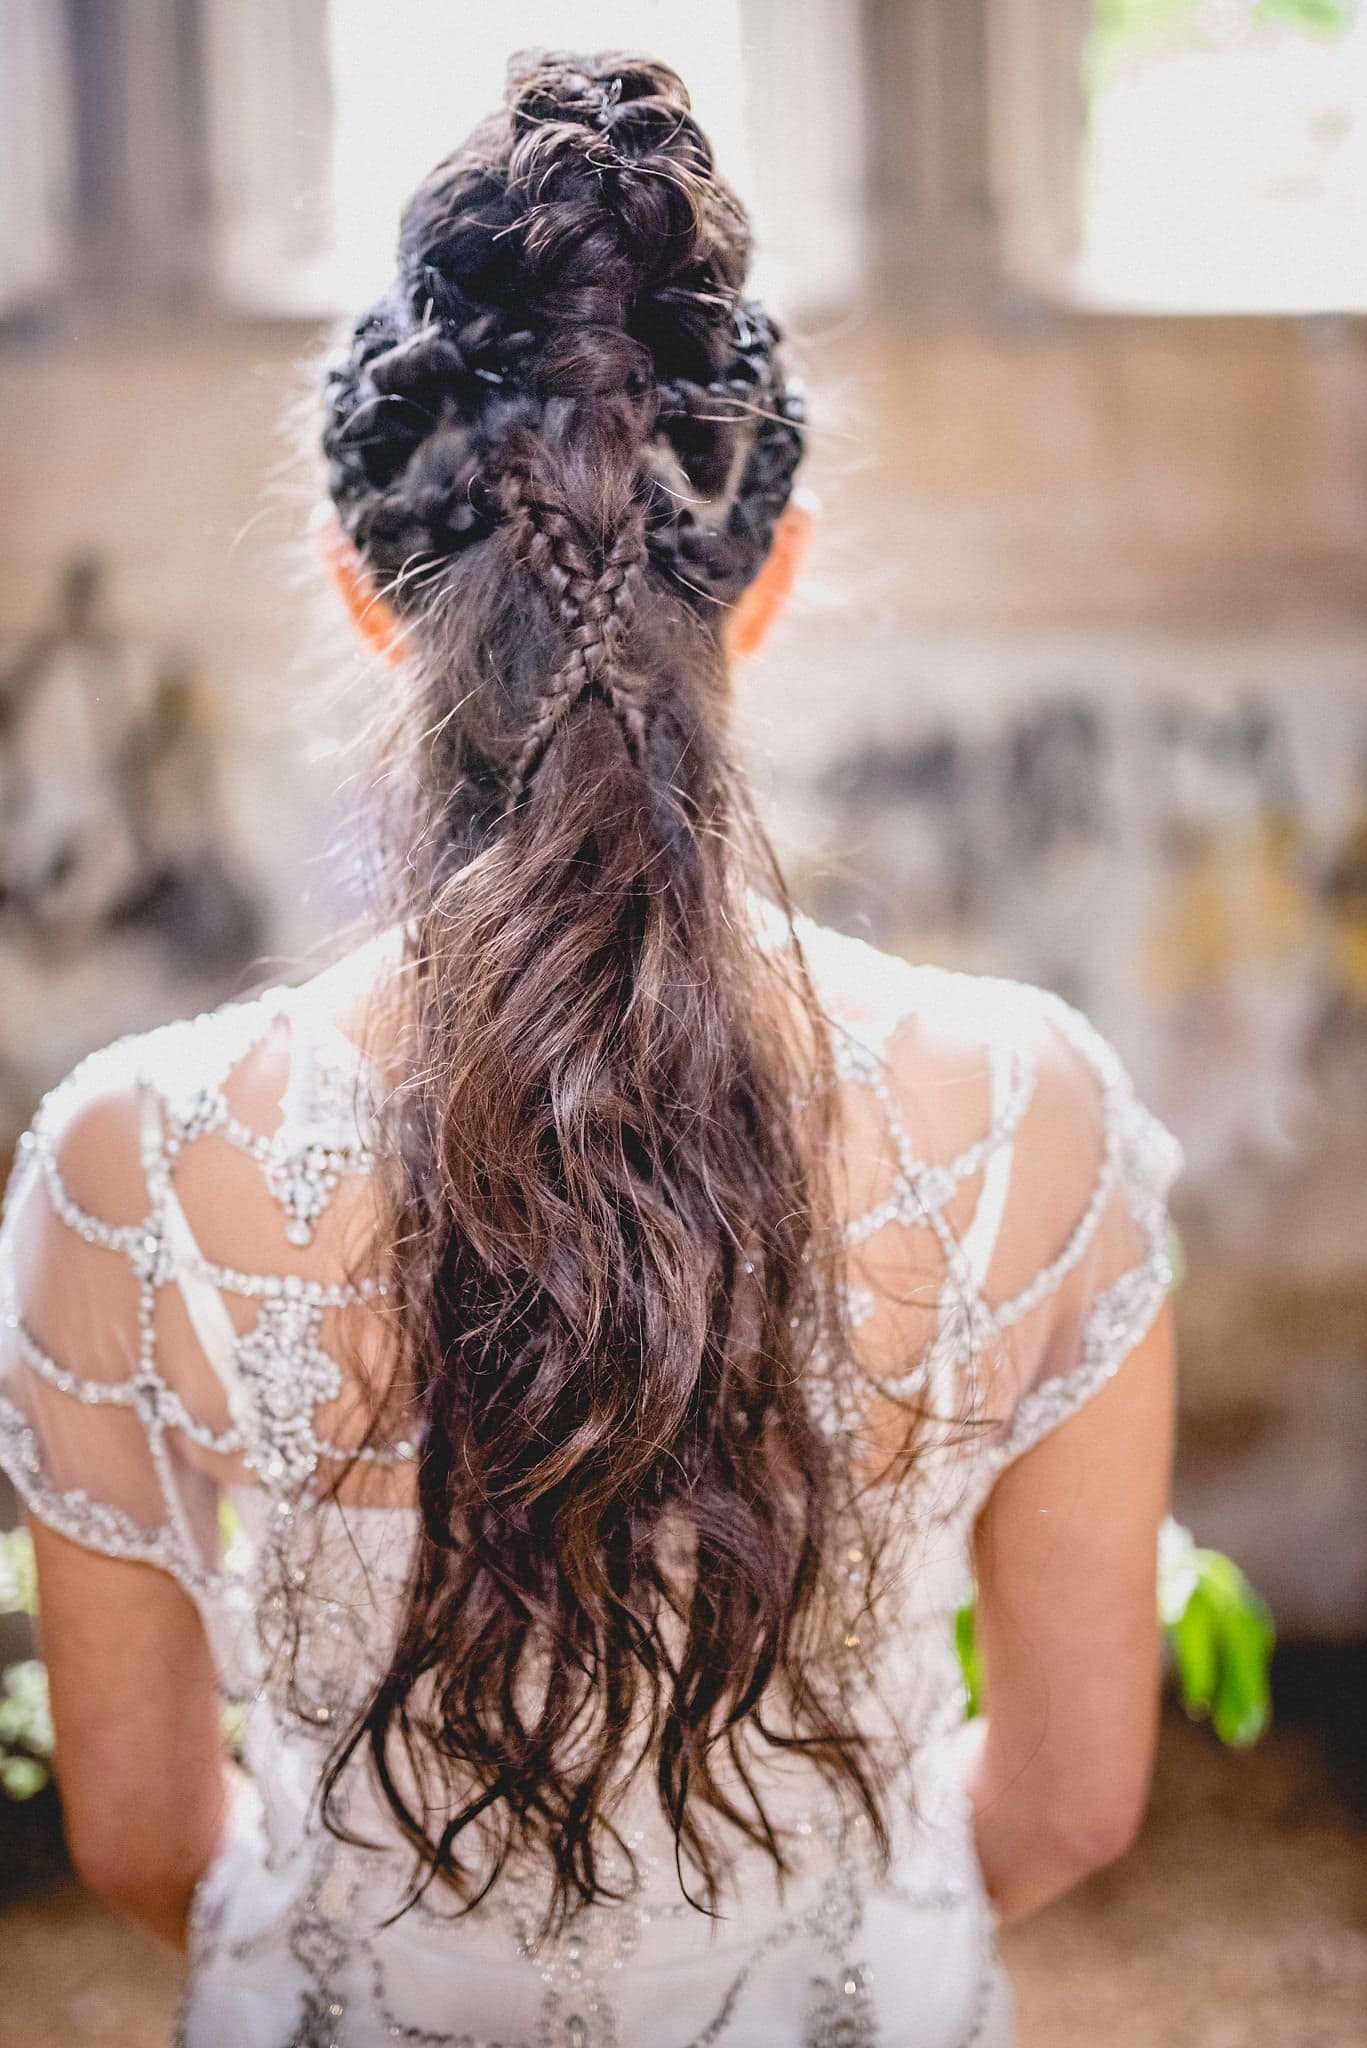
304	1015
313	1023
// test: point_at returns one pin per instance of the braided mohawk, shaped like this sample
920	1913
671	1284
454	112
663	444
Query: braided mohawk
566	353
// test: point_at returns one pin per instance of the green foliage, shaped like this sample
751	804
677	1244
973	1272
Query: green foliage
1137	27
970	1657
25	1730
18	1583
25	1719
1219	1630
1311	17
1222	1636
1124	29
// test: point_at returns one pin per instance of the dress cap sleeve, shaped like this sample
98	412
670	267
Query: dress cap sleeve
97	1444
1083	1265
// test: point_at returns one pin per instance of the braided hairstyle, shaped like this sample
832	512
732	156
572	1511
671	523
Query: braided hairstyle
560	443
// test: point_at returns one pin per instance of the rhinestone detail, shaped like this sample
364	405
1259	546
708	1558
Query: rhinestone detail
287	1375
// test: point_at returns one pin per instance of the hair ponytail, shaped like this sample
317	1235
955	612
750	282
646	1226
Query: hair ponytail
561	443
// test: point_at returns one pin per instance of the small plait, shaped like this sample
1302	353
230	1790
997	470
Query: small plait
594	602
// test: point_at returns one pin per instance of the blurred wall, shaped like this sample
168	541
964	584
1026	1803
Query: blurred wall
163	457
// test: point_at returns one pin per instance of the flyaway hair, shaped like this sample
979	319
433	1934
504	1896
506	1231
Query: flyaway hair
560	443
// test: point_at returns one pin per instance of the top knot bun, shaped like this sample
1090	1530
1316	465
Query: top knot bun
618	180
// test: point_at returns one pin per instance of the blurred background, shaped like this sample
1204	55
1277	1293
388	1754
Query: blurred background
1076	691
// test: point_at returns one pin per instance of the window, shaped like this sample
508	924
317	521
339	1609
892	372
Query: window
1225	165
326	114
251	156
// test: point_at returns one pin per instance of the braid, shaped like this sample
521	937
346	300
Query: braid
594	605
715	555
566	358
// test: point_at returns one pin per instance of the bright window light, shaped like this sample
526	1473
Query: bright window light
1227	164
411	78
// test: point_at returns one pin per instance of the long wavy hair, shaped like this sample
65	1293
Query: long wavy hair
560	444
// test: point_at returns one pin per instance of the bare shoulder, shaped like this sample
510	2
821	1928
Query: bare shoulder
921	1019
145	1093
968	1064
90	1124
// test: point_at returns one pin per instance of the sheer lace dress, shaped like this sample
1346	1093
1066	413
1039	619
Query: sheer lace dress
183	1359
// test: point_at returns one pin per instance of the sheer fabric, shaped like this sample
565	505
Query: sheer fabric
190	1340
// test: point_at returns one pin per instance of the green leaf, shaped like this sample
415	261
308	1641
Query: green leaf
1243	1702
1194	1640
21	1776
18	1580
970	1663
1222	1639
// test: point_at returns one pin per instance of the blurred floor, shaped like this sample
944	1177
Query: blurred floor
1238	1919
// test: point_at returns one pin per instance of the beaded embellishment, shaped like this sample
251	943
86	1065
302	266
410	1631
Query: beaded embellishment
290	1376
326	1944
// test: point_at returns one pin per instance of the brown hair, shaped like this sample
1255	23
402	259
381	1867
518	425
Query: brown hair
560	443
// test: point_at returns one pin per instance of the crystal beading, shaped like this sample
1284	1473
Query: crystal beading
298	1570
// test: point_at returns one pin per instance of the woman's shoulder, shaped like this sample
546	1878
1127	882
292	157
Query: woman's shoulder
968	1062
285	1051
173	1059
100	1135
912	1011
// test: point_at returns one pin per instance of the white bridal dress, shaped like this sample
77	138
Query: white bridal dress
182	1355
